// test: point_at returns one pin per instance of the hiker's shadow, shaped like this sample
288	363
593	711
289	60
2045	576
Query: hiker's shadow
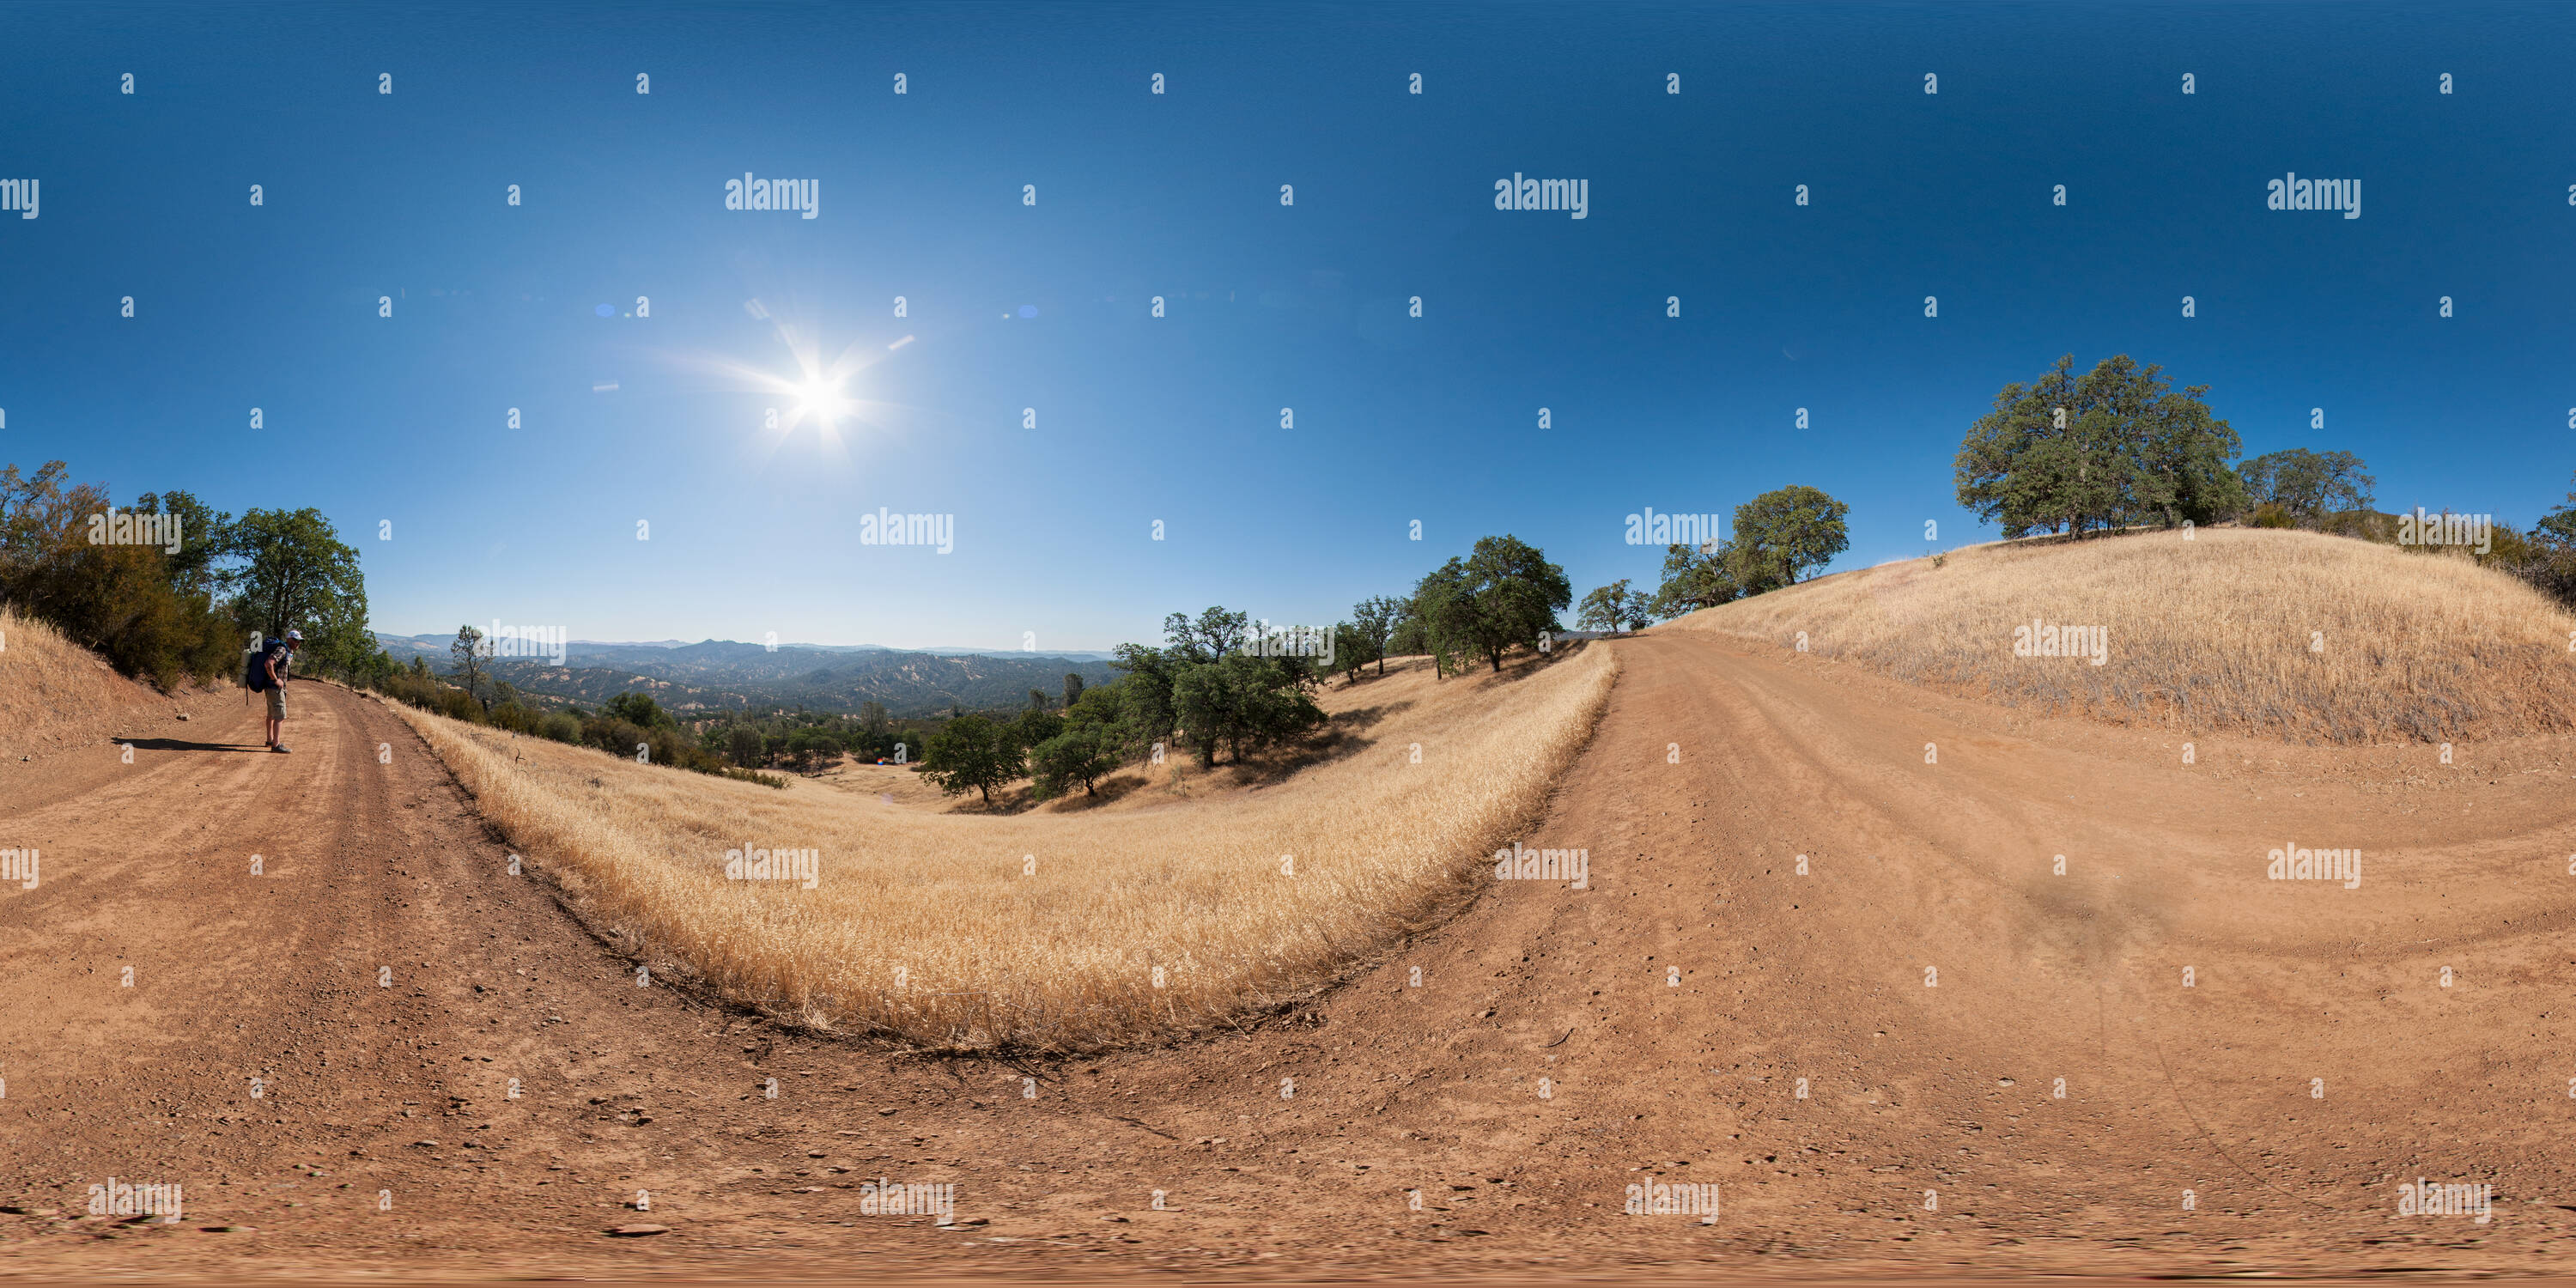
173	744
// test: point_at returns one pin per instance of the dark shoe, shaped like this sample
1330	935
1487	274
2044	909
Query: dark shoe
277	747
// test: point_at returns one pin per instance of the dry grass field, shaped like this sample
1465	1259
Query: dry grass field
2284	634
1050	931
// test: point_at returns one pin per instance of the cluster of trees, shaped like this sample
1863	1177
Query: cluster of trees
175	616
1200	687
1208	687
2118	448
2113	448
802	740
1782	537
2300	488
1615	608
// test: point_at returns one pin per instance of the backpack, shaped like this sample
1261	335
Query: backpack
255	676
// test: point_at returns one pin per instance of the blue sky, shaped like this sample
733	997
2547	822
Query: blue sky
404	419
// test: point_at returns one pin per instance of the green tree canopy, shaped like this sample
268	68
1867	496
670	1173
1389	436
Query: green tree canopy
1503	593
1614	607
638	708
1374	621
972	754
1084	753
295	572
1215	634
1148	685
1784	535
2112	448
147	610
1693	579
2307	485
1245	702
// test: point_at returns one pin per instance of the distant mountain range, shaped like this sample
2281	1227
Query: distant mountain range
727	675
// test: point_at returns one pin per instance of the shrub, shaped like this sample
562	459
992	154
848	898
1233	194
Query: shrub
119	601
1083	754
560	727
457	704
638	708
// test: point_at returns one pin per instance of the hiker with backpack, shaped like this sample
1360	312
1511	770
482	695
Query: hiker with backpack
267	674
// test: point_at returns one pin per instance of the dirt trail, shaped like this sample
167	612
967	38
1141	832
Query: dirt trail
398	1092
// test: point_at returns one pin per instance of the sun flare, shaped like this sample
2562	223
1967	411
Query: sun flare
820	398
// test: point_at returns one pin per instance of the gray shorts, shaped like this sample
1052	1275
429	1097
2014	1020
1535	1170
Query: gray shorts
277	703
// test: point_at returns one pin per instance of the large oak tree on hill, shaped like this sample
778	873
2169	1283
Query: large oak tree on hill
2115	447
1503	593
1784	536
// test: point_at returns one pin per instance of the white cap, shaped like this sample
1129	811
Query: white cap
295	635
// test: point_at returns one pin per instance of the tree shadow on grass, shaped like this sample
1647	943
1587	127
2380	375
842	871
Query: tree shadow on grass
1116	787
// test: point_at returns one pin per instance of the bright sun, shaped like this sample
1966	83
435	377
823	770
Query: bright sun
820	397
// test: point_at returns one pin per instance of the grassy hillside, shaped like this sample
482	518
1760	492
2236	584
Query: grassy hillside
2287	634
933	926
54	694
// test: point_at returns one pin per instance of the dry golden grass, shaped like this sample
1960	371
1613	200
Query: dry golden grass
54	693
928	925
2208	634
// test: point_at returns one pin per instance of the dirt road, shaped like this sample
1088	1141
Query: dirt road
1928	981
